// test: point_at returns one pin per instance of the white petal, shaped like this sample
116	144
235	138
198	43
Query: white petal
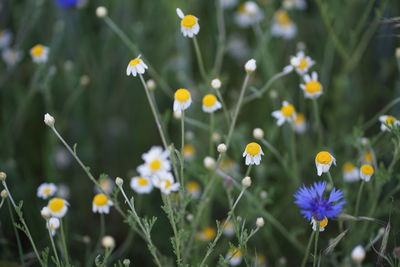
180	13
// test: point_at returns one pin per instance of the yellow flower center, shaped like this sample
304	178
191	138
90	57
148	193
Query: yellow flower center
287	110
348	167
390	120
209	233
51	226
253	149
182	95
323	223
242	8
323	157
155	165
46	191
303	64
313	87
100	200
368	157
56	204
37	50
237	253
367	169
134	62
209	100
167	184
188	150
299	118
142	181
192	186
189	21
282	18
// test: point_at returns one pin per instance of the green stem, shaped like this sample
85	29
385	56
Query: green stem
224	108
52	243
211	142
306	255
248	171
359	198
20	251
316	245
293	152
317	121
330	178
221	38
173	224
64	243
182	146
199	59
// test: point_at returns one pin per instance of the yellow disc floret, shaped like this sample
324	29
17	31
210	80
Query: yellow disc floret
253	149
282	18
135	61
287	110
100	199
142	181
348	167
368	156
299	118
390	120
209	100
188	150
155	165
303	64
56	204
209	233
367	169
37	50
323	223
182	95
47	191
192	186
313	87
189	21
323	157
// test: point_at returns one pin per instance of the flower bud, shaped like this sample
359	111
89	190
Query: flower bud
45	212
246	182
260	222
49	120
86	239
189	217
216	84
398	53
250	65
222	148
101	12
358	254
3	176
263	194
84	80
151	84
209	163
108	242
258	133
4	193
126	262
178	114
119	181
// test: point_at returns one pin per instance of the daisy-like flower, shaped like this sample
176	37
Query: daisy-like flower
101	203
53	224
210	103
314	206
155	162
322	224
58	207
312	87
229	230
193	188
189	24
369	157
207	234
299	123
46	190
5	39
283	26
388	120
366	171
350	172
11	57
253	153
135	66
141	185
39	53
237	257
189	151
182	99
107	185
286	113
301	63
295	4
323	162
166	183
248	14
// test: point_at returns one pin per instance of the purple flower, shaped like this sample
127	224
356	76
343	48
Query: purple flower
66	3
314	206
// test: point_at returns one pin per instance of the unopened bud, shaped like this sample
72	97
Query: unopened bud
246	182
45	212
108	242
4	193
222	148
126	262
101	12
358	254
209	163
216	84
258	133
250	65
3	176
49	120
151	84
84	80
119	181
260	222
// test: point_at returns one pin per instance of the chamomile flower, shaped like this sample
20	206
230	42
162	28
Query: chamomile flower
322	224
189	24
207	234
248	14
312	87
350	172
283	26
39	53
301	63
182	99
189	151
299	123
58	207
286	113
210	103
369	157
235	256
5	38
101	204
155	162
388	120
46	190
135	66
11	57
323	162
106	184
229	230
166	183
193	188
141	185
253	153
53	224
316	207
366	171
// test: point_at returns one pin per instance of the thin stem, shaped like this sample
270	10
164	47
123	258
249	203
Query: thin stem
330	178
224	108
221	38
64	243
199	59
248	170
316	245
9	195
20	251
359	198
381	112
173	224
155	114
306	255
211	143
52	244
182	146
293	152
317	121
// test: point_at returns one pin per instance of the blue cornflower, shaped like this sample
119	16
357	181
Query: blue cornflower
316	207
66	3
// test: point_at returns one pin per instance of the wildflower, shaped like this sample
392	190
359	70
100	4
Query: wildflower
294	4
4	194
58	207
126	262
366	171
151	84
193	188
46	190
258	133
358	254
235	256
53	224
3	176
283	26
207	234
101	12
369	157
250	65
248	14
189	24
135	66
299	123
189	151
246	182
350	172
209	163
11	57
229	230
210	103
216	84
387	122
39	53
323	162
286	113
322	224
106	185
312	87
141	185
49	120
119	181
166	183
5	39
260	222
101	204
301	63
314	206
221	148
253	153
182	100
155	162
108	242
45	212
